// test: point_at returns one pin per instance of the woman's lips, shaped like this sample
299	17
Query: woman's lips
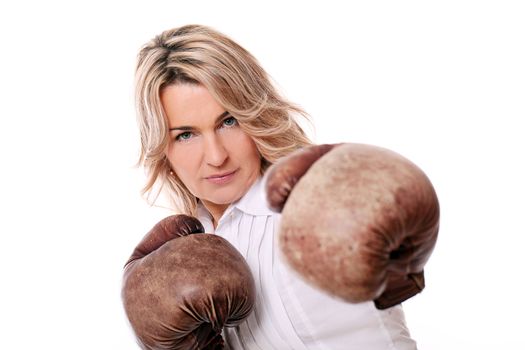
221	179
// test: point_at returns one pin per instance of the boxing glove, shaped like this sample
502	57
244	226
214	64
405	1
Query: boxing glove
181	287
358	221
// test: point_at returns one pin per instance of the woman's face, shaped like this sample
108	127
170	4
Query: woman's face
209	152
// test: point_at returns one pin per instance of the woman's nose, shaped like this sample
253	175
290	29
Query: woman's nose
215	154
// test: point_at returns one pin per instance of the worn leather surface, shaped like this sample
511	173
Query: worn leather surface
181	287
359	221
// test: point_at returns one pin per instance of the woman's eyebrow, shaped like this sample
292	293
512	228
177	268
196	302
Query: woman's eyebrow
186	128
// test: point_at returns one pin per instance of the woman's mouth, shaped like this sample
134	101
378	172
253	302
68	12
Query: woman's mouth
221	179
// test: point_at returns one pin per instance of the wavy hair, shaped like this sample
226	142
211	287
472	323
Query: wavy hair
200	55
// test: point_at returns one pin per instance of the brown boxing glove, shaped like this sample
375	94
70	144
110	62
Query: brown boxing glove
181	287
360	222
284	175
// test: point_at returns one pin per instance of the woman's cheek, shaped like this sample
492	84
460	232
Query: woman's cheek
184	151
236	136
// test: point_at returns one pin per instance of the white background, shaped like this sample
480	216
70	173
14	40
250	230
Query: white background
441	82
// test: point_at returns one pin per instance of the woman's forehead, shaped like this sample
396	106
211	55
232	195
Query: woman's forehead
190	105
196	123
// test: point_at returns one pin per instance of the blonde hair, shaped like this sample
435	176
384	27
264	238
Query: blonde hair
200	55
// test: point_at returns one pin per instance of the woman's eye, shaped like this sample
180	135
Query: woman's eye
183	136
230	121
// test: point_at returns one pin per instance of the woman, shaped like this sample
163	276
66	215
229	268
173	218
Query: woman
211	123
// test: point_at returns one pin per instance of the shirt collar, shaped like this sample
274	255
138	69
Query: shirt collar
253	202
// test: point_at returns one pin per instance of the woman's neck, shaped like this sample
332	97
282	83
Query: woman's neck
216	211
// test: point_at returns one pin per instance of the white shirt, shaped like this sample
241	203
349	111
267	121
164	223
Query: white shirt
290	314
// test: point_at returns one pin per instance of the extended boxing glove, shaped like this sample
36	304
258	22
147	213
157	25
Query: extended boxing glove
358	221
181	287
